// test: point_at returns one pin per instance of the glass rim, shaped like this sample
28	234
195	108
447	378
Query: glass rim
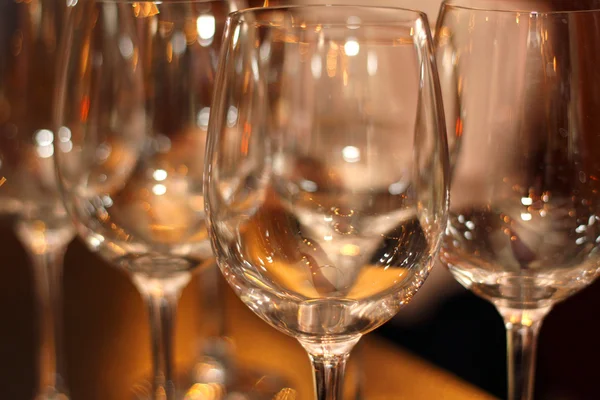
480	6
237	16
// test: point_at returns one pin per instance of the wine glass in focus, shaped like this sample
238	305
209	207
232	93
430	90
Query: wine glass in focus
520	87
326	146
135	96
29	198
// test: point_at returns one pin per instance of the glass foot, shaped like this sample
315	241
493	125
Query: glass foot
217	376
209	375
246	385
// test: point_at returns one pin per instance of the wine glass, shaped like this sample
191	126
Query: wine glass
29	198
134	102
326	146
520	87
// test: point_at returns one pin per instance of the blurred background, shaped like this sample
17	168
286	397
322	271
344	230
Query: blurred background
107	342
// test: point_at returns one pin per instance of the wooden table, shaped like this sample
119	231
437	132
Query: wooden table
390	373
107	342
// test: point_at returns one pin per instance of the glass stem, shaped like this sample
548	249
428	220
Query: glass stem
329	366
522	328
161	298
47	272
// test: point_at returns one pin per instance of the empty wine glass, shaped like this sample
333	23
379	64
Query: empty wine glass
134	103
29	199
326	146
520	88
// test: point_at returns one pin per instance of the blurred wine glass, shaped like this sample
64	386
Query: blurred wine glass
520	88
29	198
135	100
326	146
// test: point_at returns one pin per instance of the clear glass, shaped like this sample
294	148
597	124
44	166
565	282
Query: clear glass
520	87
217	364
133	108
29	198
326	189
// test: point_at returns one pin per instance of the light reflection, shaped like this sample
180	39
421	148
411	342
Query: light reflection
206	27
103	151
203	118
95	240
160	175
265	51
205	391
107	201
163	143
332	60
351	47
309	186
397	187
316	66
351	154
350	250
178	43
526	216
236	35
44	137
232	116
45	151
126	47
526	201
66	147
64	134
286	394
159	189
372	63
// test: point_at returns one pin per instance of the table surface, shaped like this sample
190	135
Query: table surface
389	372
107	341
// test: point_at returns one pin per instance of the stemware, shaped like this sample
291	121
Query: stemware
134	104
326	146
520	88
29	198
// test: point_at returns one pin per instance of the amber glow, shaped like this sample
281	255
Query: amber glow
143	10
286	394
205	391
246	138
459	127
85	108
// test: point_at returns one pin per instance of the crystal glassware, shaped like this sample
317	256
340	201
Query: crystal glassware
136	83
326	146
29	197
520	90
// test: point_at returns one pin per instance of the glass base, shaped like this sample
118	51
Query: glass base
245	384
239	383
217	376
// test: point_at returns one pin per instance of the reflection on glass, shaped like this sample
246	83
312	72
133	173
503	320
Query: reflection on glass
29	198
137	81
302	219
520	95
